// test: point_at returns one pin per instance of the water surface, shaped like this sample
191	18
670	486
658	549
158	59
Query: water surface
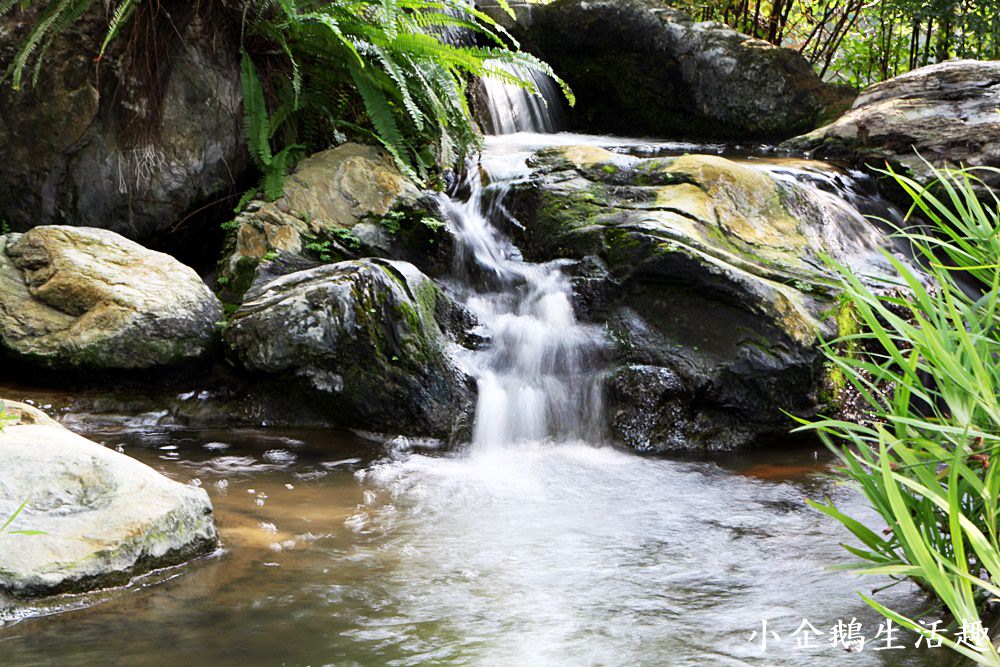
563	554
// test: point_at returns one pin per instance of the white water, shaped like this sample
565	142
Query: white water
513	109
539	543
539	378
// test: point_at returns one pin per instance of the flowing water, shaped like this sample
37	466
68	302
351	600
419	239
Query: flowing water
533	554
537	545
513	109
539	379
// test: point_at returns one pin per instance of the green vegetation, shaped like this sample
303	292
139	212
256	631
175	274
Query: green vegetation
314	71
923	360
6	418
13	517
859	41
327	249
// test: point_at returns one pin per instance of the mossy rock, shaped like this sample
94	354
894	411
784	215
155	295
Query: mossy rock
344	203
713	275
374	340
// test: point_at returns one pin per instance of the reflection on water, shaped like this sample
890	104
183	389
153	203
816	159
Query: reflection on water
531	555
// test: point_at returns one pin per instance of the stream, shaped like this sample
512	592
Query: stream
532	554
538	544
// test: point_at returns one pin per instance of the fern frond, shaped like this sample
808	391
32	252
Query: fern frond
256	123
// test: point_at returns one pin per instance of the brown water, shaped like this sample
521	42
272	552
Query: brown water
539	555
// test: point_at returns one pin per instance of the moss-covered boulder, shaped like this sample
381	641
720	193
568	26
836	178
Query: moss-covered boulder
343	203
641	68
372	341
90	299
99	517
943	115
709	275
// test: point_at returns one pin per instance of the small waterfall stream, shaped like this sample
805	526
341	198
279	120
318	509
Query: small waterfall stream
539	379
535	546
513	109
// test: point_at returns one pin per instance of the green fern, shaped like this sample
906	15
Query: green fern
377	68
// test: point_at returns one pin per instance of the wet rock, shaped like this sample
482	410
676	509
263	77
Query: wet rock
344	203
640	68
709	275
103	517
89	147
374	341
80	298
945	114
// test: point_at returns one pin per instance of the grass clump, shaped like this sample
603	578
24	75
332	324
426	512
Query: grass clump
925	361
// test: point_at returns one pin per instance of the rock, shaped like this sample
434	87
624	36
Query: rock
104	517
714	289
523	11
347	202
83	147
640	68
945	114
372	340
79	298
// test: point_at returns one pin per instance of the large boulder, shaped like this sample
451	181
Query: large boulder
943	114
710	278
80	298
342	203
640	68
372	341
94	518
133	144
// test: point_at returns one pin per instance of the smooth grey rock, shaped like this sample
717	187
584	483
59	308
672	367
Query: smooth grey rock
105	517
944	114
641	68
81	298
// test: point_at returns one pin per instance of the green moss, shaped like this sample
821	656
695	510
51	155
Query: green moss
845	316
557	215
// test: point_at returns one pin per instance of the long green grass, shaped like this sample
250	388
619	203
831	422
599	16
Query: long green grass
926	364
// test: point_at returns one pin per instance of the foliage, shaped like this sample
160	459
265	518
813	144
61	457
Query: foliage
924	362
6	418
860	41
13	517
393	70
343	243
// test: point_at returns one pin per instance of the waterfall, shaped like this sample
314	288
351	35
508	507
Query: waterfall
539	378
514	109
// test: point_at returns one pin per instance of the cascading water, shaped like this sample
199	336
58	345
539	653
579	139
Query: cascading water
538	379
513	109
524	544
535	546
